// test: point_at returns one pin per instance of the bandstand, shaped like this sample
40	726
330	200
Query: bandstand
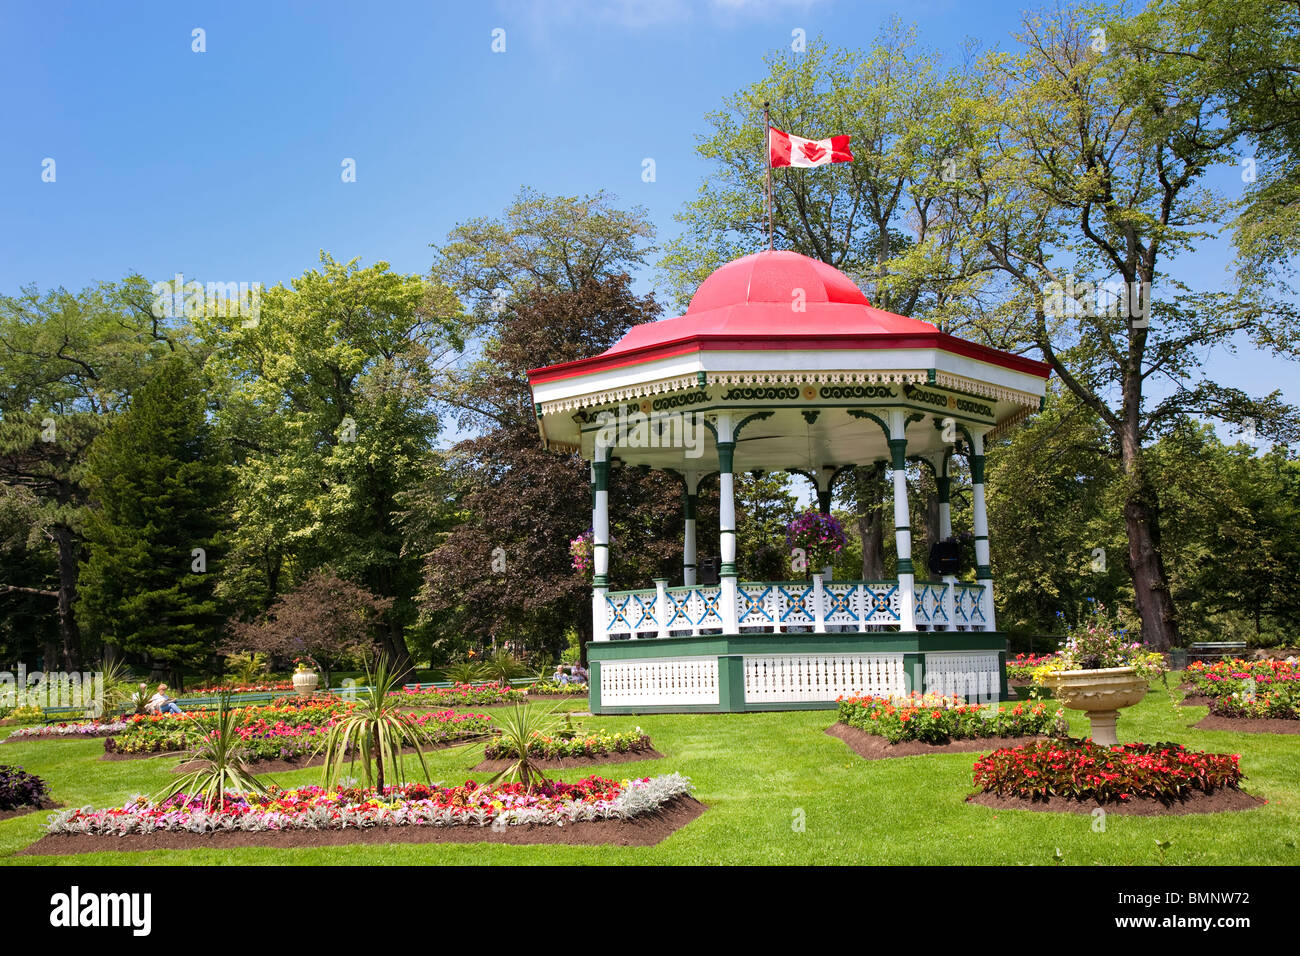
782	364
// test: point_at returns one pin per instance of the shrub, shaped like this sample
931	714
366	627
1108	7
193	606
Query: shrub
18	788
1083	770
938	720
558	745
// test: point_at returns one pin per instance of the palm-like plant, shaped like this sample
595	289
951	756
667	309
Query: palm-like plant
463	672
376	731
222	769
503	668
517	729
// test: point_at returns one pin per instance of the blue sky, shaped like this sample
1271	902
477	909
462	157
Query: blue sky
225	165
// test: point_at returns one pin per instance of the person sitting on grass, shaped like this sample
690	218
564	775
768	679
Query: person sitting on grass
160	703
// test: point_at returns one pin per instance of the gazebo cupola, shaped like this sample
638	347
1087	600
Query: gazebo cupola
782	364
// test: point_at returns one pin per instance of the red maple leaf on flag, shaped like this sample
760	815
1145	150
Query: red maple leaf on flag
812	151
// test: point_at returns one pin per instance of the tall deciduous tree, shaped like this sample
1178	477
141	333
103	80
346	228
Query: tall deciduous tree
69	362
504	571
1083	167
158	492
327	405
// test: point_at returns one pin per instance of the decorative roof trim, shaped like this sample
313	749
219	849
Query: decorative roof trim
885	377
1008	423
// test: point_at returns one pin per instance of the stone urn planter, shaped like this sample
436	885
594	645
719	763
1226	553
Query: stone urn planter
305	682
1100	694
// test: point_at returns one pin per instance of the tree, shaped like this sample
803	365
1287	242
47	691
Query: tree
69	362
542	242
326	403
1083	168
153	535
1240	59
327	618
504	570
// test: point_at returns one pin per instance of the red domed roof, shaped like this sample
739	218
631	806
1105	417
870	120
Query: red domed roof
773	296
772	277
778	300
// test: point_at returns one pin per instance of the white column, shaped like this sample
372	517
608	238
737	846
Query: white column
661	605
600	541
944	482
819	605
902	521
983	567
690	499
727	524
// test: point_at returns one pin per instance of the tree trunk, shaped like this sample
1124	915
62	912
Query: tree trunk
393	647
871	520
1155	605
71	634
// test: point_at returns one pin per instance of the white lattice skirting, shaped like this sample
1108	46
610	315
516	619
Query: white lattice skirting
974	676
795	678
685	680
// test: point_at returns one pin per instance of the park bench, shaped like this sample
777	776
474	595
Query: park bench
1216	650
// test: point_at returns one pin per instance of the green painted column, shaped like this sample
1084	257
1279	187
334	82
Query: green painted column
731	683
914	672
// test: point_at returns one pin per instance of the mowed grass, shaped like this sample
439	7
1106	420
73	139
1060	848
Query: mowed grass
779	790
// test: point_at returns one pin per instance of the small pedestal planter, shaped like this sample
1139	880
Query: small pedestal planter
1100	694
305	682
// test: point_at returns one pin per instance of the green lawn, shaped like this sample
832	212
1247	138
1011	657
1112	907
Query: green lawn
758	773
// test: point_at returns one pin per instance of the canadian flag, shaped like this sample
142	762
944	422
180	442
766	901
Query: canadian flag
787	150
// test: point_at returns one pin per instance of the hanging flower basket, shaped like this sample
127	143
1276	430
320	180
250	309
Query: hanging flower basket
582	549
821	538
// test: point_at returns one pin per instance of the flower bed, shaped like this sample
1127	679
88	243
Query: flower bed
70	731
933	719
1228	677
264	688
599	744
461	695
1021	667
1280	702
269	733
547	688
1082	770
21	790
411	805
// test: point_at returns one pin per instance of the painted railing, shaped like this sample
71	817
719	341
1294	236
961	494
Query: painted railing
778	607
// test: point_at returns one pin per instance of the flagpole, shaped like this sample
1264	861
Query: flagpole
767	146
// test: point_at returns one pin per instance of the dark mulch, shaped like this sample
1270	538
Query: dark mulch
1196	700
645	830
45	804
1195	802
562	763
1249	725
874	747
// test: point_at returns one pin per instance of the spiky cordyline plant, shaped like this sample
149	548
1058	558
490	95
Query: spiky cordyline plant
375	731
502	667
222	769
518	727
463	672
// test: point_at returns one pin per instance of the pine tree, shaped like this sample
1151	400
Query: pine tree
158	496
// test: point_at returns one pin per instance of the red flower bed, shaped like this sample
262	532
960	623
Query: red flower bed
1083	770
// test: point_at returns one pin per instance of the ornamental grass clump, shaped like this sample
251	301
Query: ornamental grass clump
19	789
1097	643
1083	770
